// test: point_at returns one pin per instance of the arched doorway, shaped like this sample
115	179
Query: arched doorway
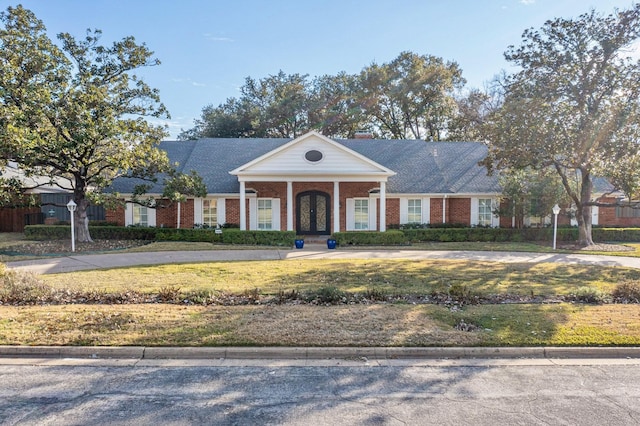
313	215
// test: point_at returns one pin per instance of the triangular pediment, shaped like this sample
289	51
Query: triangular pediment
312	154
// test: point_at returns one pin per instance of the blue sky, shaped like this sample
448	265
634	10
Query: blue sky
208	47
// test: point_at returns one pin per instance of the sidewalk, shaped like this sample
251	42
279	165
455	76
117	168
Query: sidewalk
56	265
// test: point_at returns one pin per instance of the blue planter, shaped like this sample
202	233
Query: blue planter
299	244
331	243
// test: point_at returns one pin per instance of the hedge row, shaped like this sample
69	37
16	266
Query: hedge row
517	235
54	232
228	235
368	238
287	238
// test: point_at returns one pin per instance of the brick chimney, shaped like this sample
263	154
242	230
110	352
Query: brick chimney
362	134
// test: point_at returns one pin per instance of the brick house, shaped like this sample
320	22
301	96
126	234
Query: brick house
315	185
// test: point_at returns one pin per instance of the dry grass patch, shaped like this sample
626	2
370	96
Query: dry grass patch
304	325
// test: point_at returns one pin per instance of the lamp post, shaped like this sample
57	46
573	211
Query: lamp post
556	210
71	206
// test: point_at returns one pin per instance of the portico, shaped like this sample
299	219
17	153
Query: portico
318	167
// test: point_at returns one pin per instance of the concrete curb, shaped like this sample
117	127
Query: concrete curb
314	353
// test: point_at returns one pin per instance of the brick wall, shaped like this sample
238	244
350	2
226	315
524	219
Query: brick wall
115	215
459	210
393	212
607	215
232	210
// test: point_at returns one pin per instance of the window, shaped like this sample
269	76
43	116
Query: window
209	213
264	214
140	215
484	212
414	214
361	214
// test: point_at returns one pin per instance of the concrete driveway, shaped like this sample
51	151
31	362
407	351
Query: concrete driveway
55	265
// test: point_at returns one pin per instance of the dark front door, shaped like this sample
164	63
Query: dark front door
313	213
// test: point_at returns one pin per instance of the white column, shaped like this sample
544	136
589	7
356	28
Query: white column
383	206
444	209
336	206
243	207
289	206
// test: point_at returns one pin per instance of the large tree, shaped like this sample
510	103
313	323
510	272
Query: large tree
73	112
334	107
411	96
573	106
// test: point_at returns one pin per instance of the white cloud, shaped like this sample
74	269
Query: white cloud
188	81
527	2
212	37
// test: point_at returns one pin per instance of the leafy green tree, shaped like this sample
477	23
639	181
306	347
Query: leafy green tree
470	119
572	106
75	111
411	96
233	119
530	193
280	102
334	108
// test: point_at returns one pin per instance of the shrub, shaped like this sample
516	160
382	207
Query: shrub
370	238
261	238
590	295
169	294
627	292
616	234
54	232
327	295
18	287
194	235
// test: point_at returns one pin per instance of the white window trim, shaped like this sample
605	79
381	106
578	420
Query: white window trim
425	206
253	214
198	205
475	211
351	214
373	214
128	215
222	211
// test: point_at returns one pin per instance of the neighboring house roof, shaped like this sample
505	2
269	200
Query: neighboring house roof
421	167
35	184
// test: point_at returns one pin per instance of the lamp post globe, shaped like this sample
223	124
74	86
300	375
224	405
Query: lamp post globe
556	210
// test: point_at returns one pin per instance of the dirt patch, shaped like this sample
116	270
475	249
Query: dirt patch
597	247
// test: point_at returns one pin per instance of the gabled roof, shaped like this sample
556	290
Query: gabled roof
335	159
421	167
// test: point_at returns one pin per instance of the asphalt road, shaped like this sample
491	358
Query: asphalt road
329	392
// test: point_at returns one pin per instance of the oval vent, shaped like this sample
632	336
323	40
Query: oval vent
313	156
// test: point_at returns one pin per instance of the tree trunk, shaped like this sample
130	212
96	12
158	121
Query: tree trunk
584	226
82	221
583	214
